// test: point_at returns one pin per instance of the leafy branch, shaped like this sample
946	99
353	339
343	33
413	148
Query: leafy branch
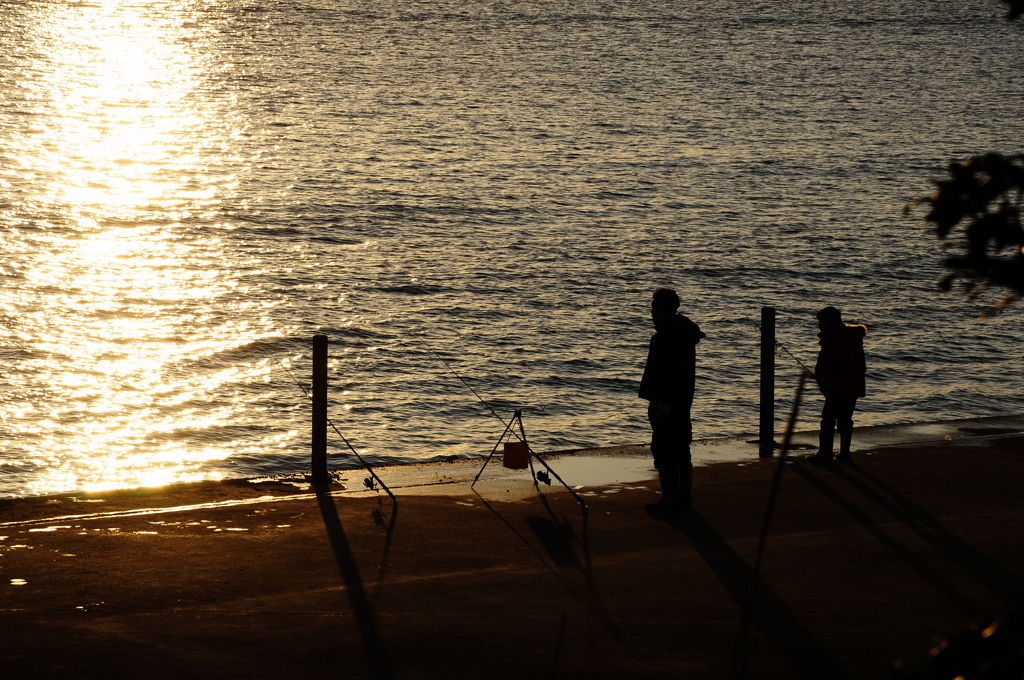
978	209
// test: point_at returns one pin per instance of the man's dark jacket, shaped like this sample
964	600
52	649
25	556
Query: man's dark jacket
670	372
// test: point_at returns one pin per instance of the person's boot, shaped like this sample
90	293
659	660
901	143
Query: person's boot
669	489
684	492
825	439
845	438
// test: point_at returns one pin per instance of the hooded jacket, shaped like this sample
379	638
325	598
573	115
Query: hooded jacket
671	368
841	367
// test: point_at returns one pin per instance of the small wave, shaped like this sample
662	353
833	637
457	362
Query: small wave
412	289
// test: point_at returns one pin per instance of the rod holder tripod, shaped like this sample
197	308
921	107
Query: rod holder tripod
541	475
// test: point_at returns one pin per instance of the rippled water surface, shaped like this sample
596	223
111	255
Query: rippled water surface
190	190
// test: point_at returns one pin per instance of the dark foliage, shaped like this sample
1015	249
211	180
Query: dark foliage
983	198
977	210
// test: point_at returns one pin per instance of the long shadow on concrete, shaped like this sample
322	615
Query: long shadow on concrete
808	656
558	538
561	537
377	657
966	604
388	525
1005	584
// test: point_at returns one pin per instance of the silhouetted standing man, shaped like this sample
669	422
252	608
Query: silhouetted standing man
841	374
668	384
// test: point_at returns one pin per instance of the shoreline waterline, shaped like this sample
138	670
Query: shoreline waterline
579	469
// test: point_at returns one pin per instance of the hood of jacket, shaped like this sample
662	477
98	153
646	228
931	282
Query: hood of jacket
854	333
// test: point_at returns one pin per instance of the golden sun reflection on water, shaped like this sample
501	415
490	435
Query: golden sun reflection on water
117	307
116	107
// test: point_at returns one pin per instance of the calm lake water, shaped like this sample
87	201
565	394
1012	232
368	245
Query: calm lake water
190	190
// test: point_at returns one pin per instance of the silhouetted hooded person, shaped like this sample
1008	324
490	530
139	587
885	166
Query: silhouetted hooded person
668	384
840	372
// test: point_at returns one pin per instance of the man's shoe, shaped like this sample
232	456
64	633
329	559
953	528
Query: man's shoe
664	506
660	507
821	457
843	456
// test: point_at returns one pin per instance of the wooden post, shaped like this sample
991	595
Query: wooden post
766	429
319	433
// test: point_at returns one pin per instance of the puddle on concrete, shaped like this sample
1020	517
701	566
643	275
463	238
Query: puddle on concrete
933	429
507	489
501	484
602	470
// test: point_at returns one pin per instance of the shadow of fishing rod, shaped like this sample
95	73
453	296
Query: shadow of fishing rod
557	560
741	654
389	533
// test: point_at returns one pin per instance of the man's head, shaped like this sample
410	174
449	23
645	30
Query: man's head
829	317
664	303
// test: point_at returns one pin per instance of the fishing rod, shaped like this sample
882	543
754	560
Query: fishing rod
540	476
369	481
517	418
419	338
741	651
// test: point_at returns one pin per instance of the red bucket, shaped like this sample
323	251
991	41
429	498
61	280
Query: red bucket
517	456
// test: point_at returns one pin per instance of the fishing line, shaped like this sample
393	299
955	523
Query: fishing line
780	347
373	475
285	367
419	338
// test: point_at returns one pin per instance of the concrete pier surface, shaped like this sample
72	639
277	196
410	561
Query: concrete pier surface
867	563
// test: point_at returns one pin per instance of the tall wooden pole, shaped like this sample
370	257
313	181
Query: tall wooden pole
319	433
766	429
